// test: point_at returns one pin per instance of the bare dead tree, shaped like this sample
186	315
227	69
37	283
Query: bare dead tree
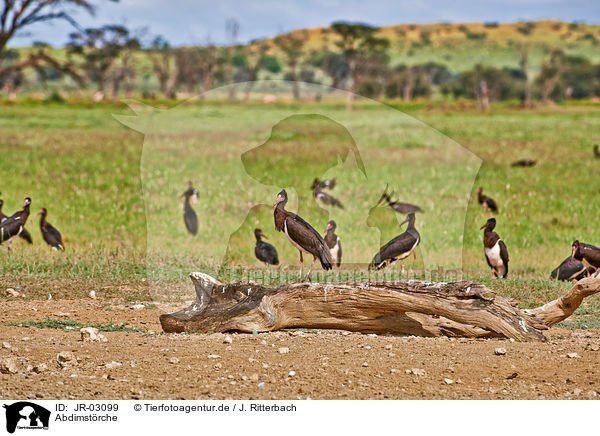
456	309
232	29
484	97
17	15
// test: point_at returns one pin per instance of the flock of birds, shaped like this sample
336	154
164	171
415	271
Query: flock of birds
584	259
14	225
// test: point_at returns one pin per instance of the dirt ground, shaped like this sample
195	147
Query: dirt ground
282	365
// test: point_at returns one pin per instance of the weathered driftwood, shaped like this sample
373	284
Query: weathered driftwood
462	309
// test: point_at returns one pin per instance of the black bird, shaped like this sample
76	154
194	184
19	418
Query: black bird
495	250
403	208
523	163
190	191
13	225
189	215
488	203
263	251
597	151
570	269
587	252
398	248
326	198
50	234
24	233
333	243
323	184
301	234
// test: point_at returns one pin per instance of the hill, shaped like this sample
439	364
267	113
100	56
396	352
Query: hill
462	45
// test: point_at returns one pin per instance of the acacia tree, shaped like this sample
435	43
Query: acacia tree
292	47
357	43
99	49
16	15
332	64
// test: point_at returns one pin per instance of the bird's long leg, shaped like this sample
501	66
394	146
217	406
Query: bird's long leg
402	265
301	264
310	269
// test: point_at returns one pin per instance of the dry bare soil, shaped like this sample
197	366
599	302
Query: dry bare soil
297	364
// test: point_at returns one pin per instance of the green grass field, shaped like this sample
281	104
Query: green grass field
114	193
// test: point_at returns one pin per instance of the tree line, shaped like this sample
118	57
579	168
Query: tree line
115	60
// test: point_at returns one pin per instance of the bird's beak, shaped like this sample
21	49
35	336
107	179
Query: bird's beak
483	226
572	253
405	221
263	235
277	201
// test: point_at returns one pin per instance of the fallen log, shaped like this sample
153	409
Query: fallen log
413	307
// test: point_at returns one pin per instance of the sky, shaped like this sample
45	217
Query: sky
190	22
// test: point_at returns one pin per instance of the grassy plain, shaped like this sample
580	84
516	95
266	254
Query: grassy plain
113	193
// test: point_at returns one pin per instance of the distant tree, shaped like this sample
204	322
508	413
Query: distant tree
410	82
550	73
232	29
17	15
376	70
98	48
124	72
11	80
292	45
188	71
526	28
578	78
357	43
254	60
332	64
209	61
486	84
523	49
162	57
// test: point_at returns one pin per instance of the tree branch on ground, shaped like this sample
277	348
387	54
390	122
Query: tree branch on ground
458	309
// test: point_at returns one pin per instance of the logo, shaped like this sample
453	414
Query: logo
26	415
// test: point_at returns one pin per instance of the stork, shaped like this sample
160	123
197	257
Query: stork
403	208
301	234
263	251
50	234
496	253
13	225
189	215
333	243
398	248
24	233
488	203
